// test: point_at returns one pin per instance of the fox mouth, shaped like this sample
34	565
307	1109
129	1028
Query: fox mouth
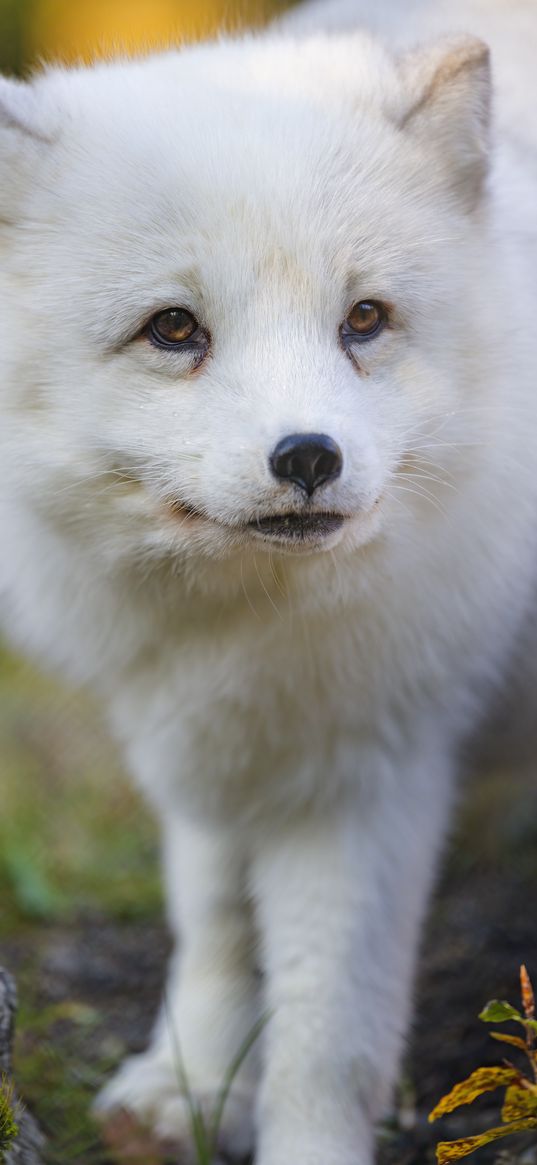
297	527
293	527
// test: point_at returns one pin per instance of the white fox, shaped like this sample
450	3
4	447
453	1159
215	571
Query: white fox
268	368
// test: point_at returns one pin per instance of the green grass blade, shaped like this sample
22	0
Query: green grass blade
231	1073
197	1121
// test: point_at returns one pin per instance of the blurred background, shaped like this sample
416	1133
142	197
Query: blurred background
75	30
80	899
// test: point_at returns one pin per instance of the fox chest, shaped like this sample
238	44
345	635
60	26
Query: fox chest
238	729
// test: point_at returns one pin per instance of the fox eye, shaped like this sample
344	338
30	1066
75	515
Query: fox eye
365	320
173	327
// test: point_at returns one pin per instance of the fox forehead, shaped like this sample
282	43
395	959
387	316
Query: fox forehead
303	205
228	174
219	130
282	72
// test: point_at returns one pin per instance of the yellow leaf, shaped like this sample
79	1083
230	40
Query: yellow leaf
454	1150
516	1041
519	1102
482	1080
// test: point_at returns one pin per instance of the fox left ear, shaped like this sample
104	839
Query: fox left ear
447	88
22	141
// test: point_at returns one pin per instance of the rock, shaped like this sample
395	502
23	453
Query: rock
27	1146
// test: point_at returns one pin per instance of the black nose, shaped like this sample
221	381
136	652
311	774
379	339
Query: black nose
308	459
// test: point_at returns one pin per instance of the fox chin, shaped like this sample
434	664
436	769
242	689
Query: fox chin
268	434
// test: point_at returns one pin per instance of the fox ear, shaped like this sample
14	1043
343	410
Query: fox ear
447	89
22	138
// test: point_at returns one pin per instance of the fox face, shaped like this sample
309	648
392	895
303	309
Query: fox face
240	293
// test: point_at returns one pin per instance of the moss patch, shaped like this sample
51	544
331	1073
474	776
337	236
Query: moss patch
8	1124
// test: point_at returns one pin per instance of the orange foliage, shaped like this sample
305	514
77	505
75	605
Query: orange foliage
71	32
519	1111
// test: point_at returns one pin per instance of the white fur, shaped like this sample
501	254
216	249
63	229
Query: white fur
295	718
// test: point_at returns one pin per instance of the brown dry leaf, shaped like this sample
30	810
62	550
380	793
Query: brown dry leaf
482	1080
131	1143
454	1150
528	998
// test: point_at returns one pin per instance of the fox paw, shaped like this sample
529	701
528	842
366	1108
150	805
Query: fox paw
148	1088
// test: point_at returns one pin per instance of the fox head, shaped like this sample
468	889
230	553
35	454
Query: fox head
243	292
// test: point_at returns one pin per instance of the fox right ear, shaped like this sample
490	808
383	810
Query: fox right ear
448	94
22	138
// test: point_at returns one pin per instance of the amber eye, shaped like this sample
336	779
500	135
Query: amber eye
364	321
172	327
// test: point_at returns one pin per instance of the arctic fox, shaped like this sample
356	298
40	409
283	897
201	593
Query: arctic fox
268	437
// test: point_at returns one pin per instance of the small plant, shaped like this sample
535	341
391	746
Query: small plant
8	1126
205	1129
519	1111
